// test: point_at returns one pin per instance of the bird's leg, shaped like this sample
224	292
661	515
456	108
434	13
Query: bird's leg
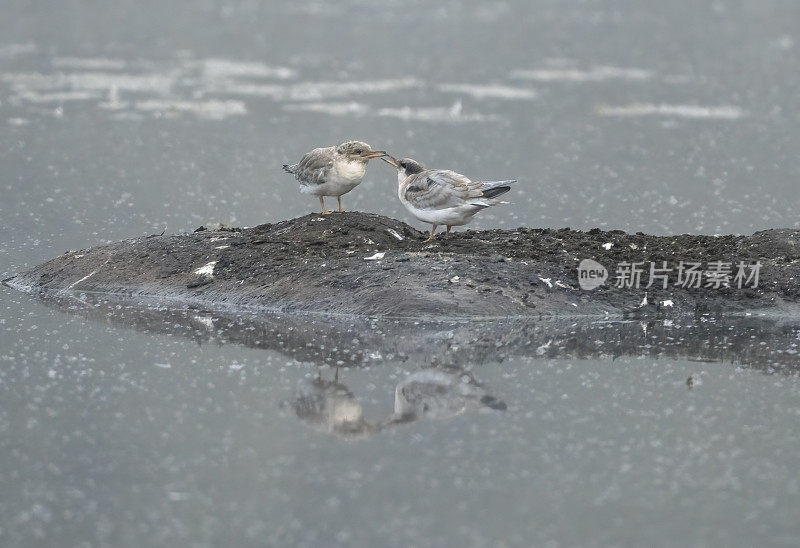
433	229
447	234
322	204
340	204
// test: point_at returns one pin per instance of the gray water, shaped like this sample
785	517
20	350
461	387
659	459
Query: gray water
132	426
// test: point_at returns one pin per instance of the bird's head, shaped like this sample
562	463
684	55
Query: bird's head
406	166
358	151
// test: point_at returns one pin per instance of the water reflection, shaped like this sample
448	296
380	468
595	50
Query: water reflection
440	394
764	343
440	381
329	406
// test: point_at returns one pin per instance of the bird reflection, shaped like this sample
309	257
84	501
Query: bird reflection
330	407
445	388
437	394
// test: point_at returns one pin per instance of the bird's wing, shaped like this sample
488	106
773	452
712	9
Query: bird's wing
314	166
441	189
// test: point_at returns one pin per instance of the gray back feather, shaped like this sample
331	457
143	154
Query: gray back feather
440	189
314	166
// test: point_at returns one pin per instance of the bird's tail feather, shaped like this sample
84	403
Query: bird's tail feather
492	189
289	168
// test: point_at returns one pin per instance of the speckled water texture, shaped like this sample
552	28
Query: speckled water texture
126	423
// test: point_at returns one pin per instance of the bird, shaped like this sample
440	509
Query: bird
441	196
333	171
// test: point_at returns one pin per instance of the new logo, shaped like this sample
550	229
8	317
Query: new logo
591	274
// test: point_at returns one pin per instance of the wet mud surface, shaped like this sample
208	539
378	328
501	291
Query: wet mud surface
364	264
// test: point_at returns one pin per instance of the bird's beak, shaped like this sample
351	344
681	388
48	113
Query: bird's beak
393	160
375	154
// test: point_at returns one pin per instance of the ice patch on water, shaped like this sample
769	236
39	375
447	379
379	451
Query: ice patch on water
334	109
725	112
236	87
226	68
311	91
113	102
88	63
452	114
594	74
784	42
126	116
13	50
212	110
315	91
90	81
493	91
57	96
199	87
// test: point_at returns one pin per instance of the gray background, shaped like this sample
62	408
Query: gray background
122	118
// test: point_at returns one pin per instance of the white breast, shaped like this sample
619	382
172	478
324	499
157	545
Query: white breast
343	178
349	171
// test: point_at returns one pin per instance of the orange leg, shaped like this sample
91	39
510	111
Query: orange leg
322	204
433	229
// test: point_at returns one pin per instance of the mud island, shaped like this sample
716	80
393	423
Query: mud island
364	264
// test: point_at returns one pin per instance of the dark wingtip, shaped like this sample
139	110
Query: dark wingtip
5	282
493	403
496	191
287	168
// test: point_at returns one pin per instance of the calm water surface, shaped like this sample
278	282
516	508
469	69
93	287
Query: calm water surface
128	426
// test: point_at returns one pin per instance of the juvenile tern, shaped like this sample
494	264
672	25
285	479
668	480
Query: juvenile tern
333	171
441	196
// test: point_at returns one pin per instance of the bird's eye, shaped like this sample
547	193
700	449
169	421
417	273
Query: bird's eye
358	151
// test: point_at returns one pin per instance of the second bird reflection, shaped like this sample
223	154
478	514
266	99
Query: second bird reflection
331	407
